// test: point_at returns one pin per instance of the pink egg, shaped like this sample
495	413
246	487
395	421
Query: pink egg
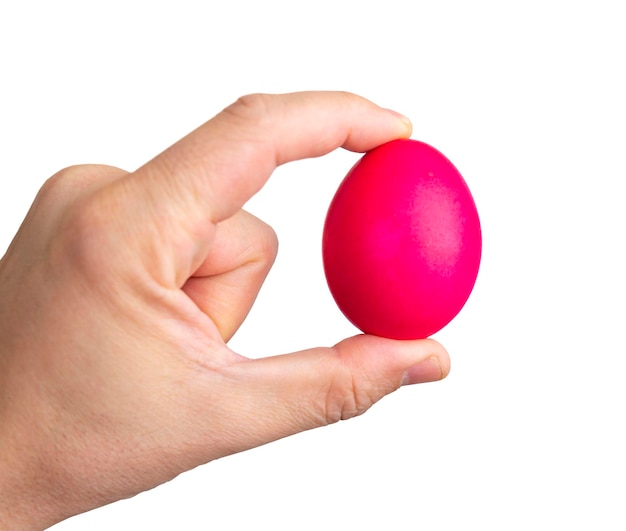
402	241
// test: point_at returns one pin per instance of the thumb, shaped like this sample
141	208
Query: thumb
287	394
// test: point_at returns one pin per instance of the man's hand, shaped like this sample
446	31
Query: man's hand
120	291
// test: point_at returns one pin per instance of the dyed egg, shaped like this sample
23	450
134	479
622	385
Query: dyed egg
402	241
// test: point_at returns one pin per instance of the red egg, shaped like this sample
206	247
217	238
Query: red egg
402	241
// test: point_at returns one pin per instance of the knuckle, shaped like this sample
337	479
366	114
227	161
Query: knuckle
250	108
63	217
60	185
347	395
82	239
261	242
69	184
267	243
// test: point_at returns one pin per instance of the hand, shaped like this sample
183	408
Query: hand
120	291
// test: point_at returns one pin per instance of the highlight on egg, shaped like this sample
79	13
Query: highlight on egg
402	241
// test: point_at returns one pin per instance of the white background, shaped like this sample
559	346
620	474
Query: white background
526	98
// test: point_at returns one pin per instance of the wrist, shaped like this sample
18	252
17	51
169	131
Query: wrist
22	505
28	493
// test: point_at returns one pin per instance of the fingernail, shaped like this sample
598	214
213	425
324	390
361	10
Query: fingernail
428	370
407	123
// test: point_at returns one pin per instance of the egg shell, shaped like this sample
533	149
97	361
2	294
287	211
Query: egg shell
402	241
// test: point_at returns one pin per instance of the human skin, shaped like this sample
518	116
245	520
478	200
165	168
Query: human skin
120	292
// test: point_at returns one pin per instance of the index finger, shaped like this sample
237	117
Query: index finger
220	165
209	175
